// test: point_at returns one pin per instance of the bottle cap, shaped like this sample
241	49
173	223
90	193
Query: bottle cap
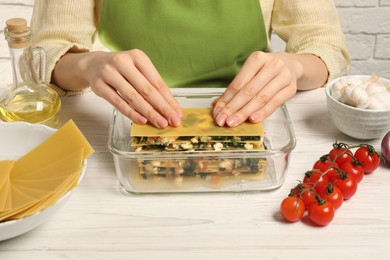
17	33
16	24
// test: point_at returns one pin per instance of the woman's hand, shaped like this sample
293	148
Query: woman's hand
266	81
128	80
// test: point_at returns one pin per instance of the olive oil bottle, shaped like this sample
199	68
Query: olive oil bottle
29	98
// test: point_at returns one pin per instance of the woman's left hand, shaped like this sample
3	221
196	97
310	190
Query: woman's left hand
265	82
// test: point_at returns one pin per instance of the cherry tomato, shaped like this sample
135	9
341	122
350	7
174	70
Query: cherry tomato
305	192
321	212
347	185
353	169
333	195
332	173
324	163
308	197
317	179
368	157
340	155
292	209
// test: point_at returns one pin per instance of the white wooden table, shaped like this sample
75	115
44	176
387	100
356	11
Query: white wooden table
100	222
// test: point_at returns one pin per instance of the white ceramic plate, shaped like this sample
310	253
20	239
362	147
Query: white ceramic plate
17	139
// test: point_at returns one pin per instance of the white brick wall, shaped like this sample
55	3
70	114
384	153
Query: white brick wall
366	24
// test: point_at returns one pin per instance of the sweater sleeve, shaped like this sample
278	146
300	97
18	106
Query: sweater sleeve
312	27
62	26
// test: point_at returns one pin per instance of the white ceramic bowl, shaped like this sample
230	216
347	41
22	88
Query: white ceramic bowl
355	122
17	139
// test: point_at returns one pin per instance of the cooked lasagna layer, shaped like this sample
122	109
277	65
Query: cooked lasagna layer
196	143
198	133
203	168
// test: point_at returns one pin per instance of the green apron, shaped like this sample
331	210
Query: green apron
192	43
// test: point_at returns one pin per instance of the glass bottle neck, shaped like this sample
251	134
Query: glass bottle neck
21	55
17	59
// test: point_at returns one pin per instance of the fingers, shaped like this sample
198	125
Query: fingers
261	86
147	69
111	95
135	101
130	82
147	100
266	95
248	71
275	102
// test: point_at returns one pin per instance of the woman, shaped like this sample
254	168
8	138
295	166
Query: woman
160	44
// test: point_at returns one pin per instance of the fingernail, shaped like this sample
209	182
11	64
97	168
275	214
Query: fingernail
217	111
174	121
161	123
142	120
233	121
221	119
179	112
254	118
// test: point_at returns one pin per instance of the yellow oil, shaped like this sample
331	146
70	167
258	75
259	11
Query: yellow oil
37	107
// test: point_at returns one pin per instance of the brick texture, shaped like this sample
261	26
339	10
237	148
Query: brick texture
366	25
356	3
384	2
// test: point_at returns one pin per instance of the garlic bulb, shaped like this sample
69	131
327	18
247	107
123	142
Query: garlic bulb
380	100
375	88
355	95
337	89
371	94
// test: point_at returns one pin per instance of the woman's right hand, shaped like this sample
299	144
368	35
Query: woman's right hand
131	83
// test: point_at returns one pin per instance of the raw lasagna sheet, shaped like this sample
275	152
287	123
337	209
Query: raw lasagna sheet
198	122
198	132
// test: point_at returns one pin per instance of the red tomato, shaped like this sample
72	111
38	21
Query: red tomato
332	173
353	169
333	195
321	212
340	155
347	185
368	157
308	197
324	163
317	179
292	209
305	192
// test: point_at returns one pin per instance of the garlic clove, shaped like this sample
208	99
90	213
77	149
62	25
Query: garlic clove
346	94
380	100
354	80
355	95
337	89
374	78
376	87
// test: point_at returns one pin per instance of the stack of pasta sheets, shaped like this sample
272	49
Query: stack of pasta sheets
41	177
198	133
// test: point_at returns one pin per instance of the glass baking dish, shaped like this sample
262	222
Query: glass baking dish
279	140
